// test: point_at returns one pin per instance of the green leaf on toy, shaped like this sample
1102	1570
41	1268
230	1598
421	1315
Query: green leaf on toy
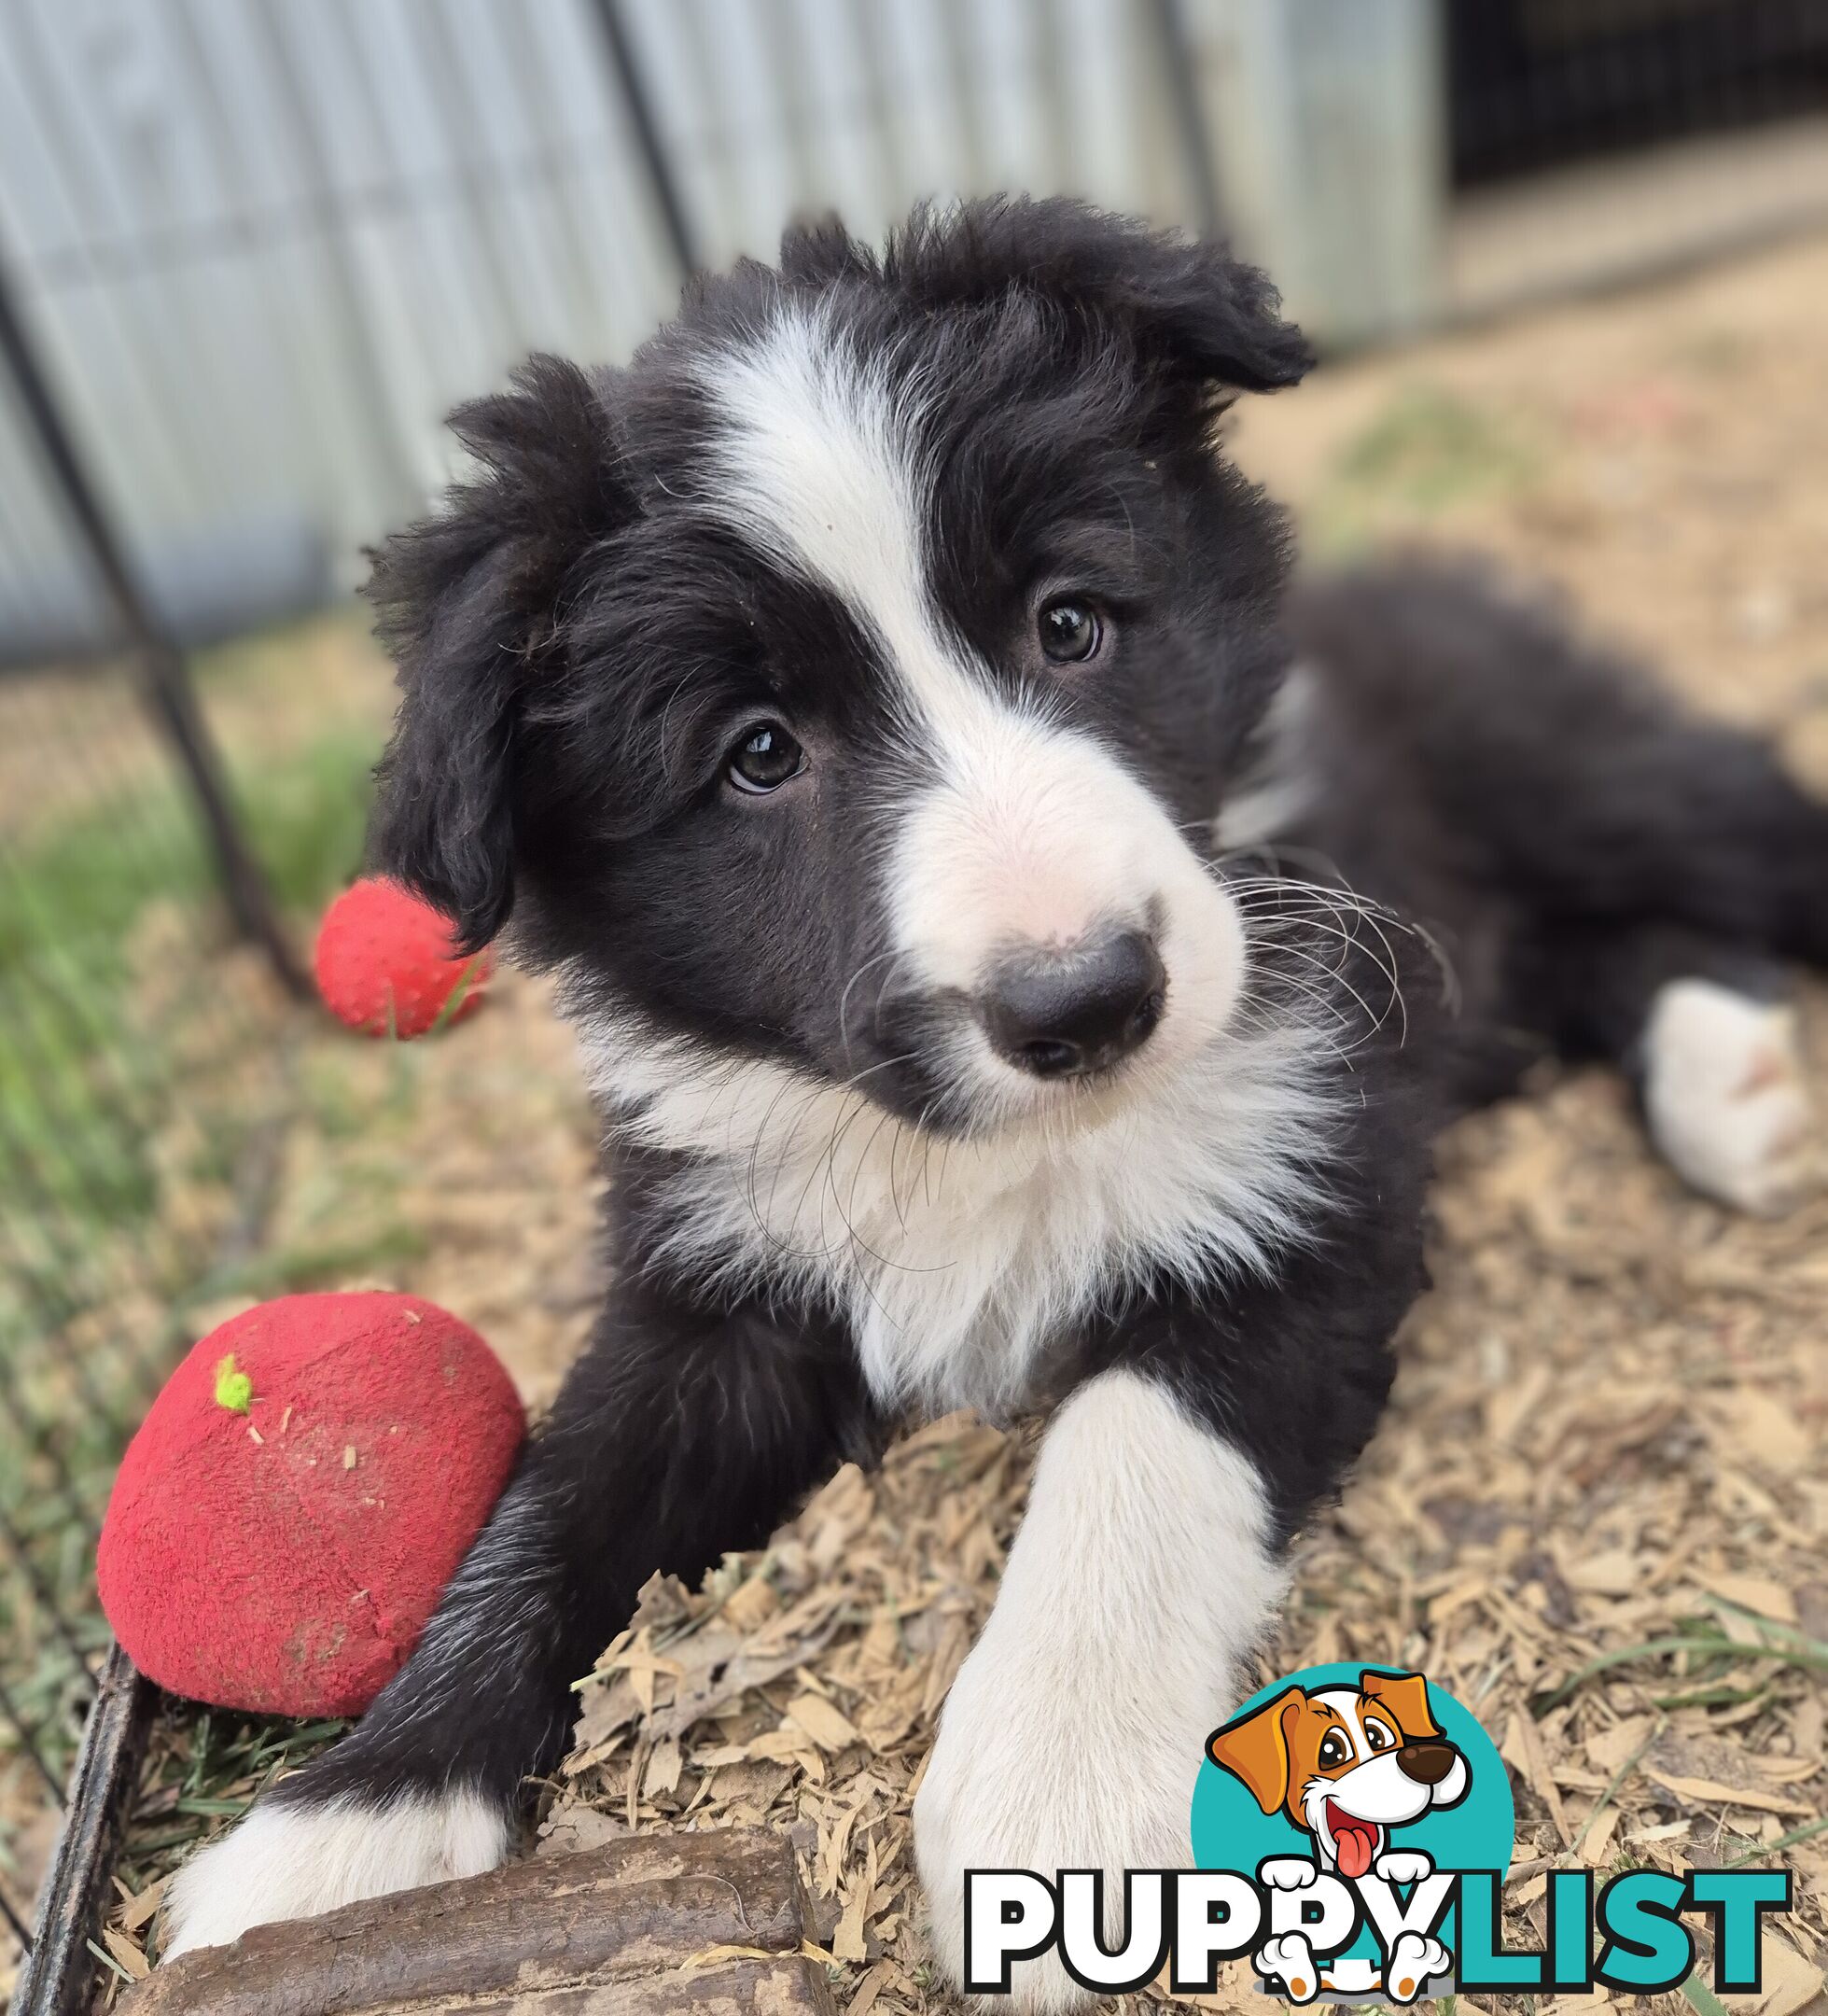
235	1390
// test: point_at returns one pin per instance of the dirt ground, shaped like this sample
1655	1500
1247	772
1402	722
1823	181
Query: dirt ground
1609	1425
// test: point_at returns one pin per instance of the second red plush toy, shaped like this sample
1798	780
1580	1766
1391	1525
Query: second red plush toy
385	964
299	1495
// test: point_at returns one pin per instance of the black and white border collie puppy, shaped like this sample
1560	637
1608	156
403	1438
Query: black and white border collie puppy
1006	981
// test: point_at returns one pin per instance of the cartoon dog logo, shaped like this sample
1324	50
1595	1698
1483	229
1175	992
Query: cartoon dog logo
1345	1765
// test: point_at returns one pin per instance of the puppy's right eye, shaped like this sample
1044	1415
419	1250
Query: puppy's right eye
764	759
1070	631
1335	1751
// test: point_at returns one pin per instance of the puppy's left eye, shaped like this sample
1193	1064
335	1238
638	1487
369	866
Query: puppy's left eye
765	758
1379	1737
1070	631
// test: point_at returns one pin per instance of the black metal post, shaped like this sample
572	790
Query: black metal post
631	90
165	682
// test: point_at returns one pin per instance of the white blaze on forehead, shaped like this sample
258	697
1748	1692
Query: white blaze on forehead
820	465
1017	829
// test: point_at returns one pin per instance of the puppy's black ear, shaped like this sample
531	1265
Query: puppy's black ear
1192	307
467	602
1215	315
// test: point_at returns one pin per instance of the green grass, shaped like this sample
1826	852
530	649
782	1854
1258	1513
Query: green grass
106	1122
80	886
204	1767
136	1079
90	1080
1706	1649
82	1082
1425	453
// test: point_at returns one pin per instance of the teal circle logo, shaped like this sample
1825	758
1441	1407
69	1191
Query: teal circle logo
1357	1771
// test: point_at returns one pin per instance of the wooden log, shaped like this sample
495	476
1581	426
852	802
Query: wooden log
634	1926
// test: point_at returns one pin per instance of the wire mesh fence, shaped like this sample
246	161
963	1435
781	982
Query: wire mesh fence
1539	82
130	1104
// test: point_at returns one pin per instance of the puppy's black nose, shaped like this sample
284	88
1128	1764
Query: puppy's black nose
1059	1014
1426	1762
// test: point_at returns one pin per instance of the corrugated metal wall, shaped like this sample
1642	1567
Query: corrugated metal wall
264	245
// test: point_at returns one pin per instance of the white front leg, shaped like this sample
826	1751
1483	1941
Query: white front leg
1140	1580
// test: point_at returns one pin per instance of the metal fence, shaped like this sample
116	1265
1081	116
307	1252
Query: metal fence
269	245
266	244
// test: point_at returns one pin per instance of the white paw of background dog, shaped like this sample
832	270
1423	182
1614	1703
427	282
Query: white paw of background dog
1402	1864
1288	1872
1725	1094
1416	1960
1291	1957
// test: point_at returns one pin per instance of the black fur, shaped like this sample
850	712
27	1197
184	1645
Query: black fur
1574	838
578	642
467	602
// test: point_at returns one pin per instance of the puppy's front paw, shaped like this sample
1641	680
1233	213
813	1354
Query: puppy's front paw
291	1860
1290	1957
1416	1960
1034	1770
1403	1865
1288	1872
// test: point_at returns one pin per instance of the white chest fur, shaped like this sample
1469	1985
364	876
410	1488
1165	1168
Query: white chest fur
954	1261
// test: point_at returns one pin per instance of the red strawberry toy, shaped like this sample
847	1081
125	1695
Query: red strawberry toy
297	1497
386	965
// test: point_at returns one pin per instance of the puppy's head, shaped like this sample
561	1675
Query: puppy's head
851	681
1346	1764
